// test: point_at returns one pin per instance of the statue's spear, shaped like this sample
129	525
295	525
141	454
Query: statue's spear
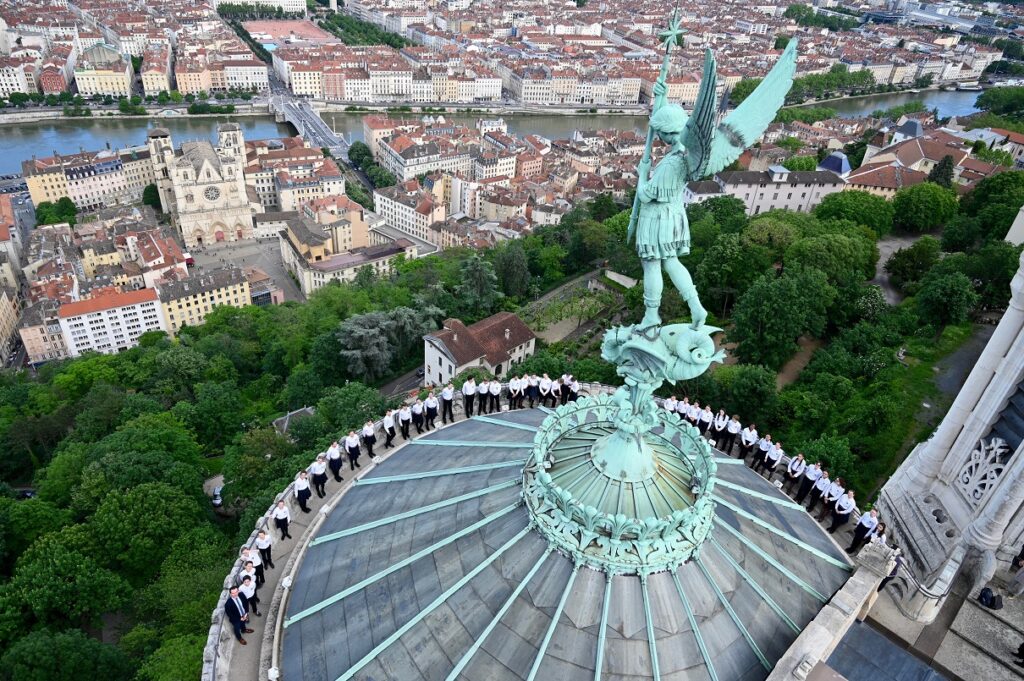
670	38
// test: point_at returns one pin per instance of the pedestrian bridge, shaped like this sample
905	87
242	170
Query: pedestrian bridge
308	123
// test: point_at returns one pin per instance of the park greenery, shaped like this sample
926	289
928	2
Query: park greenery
354	31
118	562
54	213
362	158
805	15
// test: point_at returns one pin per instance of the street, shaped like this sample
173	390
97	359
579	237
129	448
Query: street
264	254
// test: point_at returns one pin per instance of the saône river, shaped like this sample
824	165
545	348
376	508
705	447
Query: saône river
23	140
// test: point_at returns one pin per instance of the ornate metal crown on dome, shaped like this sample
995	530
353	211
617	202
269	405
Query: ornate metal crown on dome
616	483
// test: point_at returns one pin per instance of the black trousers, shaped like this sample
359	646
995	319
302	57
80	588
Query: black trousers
303	496
481	406
446	411
389	436
805	486
469	399
719	438
727	443
404	426
838	520
353	458
745	449
267	557
573	395
369	441
260	577
704	425
417	420
335	466
239	627
431	417
564	395
513	399
319	483
282	524
533	394
816	498
860	536
254	603
494	403
791	482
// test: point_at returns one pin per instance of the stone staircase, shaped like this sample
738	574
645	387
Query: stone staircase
1010	424
981	643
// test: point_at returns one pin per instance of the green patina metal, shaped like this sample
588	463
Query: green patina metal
359	586
554	623
652	639
696	629
602	634
732	615
502	422
414	512
756	587
439	473
436	603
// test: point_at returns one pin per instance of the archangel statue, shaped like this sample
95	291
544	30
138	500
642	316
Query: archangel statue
699	145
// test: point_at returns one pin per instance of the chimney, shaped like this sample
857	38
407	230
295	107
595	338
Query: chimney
508	334
455	336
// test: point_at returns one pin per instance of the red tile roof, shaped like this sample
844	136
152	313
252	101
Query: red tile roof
108	301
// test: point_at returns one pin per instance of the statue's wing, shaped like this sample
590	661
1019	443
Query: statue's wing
751	118
699	133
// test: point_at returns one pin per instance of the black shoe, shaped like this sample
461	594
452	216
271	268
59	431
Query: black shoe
272	566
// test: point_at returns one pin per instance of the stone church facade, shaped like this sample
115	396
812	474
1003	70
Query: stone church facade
202	186
956	505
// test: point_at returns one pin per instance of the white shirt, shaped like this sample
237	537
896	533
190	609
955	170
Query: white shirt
495	388
431	403
822	484
764	444
334	451
734	426
707	416
266	541
253	557
351	441
575	387
447	393
469	387
545	385
513	385
694	412
417	408
845	505
388	422
835	490
405	414
875	537
281	512
534	381
683	408
318	467
869	522
812	473
248	591
749	436
367	431
300	485
721	421
670	404
796	467
774	454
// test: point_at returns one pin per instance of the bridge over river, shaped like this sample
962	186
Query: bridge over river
308	123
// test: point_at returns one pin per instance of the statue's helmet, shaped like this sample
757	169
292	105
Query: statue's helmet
669	118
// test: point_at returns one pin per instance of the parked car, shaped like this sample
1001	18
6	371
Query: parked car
217	500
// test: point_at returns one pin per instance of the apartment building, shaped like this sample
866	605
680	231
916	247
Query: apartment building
779	188
410	209
406	158
41	332
103	71
156	69
91	179
10	313
110	322
18	74
187	302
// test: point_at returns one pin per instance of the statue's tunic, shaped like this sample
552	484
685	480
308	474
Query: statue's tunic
662	229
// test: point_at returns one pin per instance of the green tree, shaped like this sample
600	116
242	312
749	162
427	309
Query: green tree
303	387
801	163
512	268
908	265
946	299
135	529
942	173
781	41
775	312
151	197
66	656
1003	101
365	345
834	454
860	207
790	144
177	658
747	390
350	406
359	154
258	458
478	293
834	254
960	234
727	270
61	584
923	207
22	522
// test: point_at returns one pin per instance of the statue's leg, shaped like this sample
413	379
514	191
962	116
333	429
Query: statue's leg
653	286
684	284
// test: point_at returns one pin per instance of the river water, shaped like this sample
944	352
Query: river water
23	140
